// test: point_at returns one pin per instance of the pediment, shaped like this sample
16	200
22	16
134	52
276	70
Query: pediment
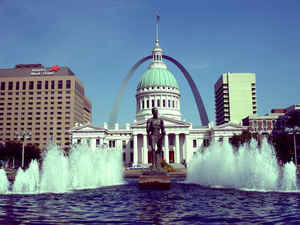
87	128
229	126
168	122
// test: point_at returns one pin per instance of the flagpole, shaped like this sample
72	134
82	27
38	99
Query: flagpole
157	22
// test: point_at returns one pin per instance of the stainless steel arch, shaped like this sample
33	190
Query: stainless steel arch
197	97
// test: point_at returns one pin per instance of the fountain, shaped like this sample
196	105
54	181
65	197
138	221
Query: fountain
84	187
4	183
249	168
82	169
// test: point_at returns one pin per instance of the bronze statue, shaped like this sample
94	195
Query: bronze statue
156	133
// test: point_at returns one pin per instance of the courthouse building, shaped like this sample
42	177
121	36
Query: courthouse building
156	88
45	101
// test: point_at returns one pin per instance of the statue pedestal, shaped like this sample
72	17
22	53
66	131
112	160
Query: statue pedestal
154	180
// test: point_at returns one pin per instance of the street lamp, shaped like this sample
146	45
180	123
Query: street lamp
22	135
294	130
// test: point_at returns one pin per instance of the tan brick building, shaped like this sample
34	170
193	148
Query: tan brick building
46	101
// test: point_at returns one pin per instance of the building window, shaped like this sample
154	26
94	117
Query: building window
60	84
169	104
31	85
194	143
124	144
10	85
148	104
2	85
158	103
52	84
112	143
152	103
164	103
46	84
39	84
68	84
97	141
131	144
24	85
131	156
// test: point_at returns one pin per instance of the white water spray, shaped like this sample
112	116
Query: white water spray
4	183
82	169
248	168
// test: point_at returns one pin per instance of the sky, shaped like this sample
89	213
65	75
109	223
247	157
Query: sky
101	40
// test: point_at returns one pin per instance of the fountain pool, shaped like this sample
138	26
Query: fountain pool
222	187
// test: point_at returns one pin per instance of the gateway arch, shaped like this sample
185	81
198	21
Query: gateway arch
201	109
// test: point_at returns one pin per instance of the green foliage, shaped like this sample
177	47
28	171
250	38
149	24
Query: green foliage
238	140
283	145
12	151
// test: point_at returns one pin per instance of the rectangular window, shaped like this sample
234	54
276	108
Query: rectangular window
194	143
2	85
24	85
17	85
158	103
60	84
10	85
152	103
68	84
131	144
39	84
31	85
52	84
164	103
46	84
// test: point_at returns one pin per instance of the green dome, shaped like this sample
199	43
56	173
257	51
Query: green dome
157	77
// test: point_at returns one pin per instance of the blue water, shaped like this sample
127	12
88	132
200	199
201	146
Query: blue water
127	204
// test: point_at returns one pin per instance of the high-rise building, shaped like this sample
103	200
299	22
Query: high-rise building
235	97
46	101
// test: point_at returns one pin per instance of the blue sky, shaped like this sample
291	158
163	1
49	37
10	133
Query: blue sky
101	40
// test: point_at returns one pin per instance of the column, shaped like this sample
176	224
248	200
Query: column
135	150
177	149
188	148
101	141
93	144
145	150
166	147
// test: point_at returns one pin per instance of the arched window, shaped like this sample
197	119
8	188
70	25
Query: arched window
158	103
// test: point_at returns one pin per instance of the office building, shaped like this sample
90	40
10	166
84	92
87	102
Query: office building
235	97
46	101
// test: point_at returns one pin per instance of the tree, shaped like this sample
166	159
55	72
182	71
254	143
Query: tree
238	140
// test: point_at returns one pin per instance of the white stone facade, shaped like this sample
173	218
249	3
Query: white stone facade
181	140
